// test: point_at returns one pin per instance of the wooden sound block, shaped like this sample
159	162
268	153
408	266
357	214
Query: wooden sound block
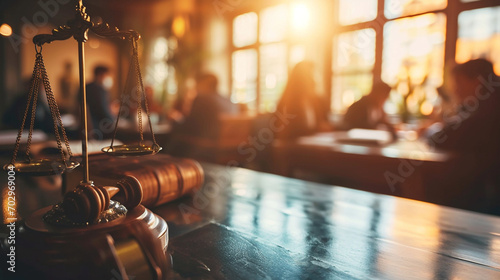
133	245
156	224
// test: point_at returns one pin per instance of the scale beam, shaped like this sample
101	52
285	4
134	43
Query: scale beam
78	28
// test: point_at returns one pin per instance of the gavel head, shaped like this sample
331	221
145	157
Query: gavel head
131	192
87	201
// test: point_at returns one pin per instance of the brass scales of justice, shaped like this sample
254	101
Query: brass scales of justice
88	235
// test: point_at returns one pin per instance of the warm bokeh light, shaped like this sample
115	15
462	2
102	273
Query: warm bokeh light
158	71
160	48
6	210
5	30
179	26
426	108
301	17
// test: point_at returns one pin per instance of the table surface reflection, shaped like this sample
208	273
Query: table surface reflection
248	225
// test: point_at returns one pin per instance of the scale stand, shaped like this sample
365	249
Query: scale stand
102	243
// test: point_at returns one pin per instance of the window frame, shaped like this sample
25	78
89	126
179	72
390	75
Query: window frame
451	11
256	46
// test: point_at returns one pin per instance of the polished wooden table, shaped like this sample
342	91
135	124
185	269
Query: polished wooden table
249	225
396	168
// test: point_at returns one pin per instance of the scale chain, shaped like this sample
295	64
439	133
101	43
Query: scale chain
140	94
55	113
36	89
139	80
40	74
30	97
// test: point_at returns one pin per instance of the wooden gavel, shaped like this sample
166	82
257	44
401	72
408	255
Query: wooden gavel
151	186
87	201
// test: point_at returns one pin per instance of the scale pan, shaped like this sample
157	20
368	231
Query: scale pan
132	150
43	167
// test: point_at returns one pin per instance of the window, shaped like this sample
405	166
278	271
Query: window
159	74
398	8
245	30
273	73
273	24
413	60
353	61
412	36
245	77
479	36
263	53
404	43
356	11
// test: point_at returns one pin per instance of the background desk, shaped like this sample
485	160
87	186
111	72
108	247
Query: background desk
398	168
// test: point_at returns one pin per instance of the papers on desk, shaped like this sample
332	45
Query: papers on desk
9	137
364	137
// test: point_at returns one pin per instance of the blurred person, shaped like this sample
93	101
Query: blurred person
368	112
475	124
307	110
207	107
67	99
472	133
14	114
98	100
182	105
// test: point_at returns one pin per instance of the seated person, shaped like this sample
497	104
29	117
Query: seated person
472	133
207	107
475	126
98	101
368	112
305	111
182	105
